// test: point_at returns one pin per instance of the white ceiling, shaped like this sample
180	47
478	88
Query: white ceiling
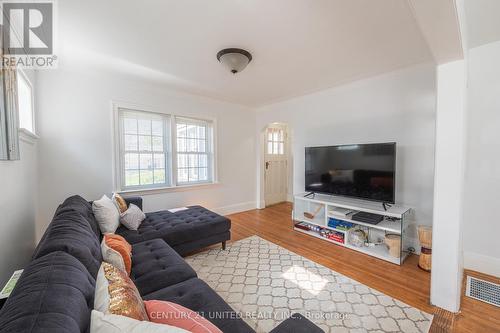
299	46
482	21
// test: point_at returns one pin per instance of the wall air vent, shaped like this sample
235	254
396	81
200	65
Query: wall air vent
484	291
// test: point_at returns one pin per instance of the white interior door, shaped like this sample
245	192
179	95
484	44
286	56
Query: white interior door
275	165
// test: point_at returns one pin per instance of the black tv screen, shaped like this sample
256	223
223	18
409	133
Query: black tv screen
364	171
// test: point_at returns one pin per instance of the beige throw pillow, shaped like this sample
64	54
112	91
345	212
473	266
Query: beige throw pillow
132	217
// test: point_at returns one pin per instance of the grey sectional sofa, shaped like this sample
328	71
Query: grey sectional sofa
56	290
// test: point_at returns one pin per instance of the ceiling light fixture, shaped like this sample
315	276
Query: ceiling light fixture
234	59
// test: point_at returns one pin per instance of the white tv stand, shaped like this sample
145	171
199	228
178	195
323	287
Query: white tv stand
395	222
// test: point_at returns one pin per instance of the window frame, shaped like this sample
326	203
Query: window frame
170	152
22	74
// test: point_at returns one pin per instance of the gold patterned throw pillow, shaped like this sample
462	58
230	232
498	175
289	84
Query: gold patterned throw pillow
115	293
120	202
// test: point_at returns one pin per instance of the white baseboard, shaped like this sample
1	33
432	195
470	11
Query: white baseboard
236	208
481	263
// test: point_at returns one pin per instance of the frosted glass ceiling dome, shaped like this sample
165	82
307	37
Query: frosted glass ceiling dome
234	59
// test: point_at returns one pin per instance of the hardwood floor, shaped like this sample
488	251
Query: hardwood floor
407	283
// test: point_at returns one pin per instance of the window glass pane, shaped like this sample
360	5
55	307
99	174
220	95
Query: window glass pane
130	126
146	177
131	178
145	126
182	161
25	103
191	131
181	145
269	147
131	142
144	143
202	146
281	148
192	145
203	159
157	143
275	135
275	147
131	161
159	161
201	132
159	176
280	135
182	175
203	173
157	127
193	160
193	174
181	130
146	162
269	135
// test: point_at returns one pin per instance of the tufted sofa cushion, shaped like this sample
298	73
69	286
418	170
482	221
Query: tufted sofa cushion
155	265
81	206
196	295
176	228
71	233
55	294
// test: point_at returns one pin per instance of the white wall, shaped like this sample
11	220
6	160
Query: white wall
76	140
18	204
482	178
18	195
447	263
398	106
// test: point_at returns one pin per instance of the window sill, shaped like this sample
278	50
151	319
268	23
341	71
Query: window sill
27	136
180	188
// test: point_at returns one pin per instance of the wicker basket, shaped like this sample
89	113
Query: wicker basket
425	238
394	243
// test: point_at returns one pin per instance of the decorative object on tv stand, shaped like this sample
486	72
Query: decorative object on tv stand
234	59
311	216
393	242
425	238
357	238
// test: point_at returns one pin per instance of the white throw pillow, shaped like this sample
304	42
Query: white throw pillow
112	256
101	294
107	215
132	217
110	323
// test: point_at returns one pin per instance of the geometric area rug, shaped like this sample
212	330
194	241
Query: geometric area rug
265	283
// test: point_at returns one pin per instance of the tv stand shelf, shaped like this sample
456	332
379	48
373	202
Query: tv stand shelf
322	207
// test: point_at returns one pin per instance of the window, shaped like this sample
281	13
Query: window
158	150
194	150
144	149
275	141
25	101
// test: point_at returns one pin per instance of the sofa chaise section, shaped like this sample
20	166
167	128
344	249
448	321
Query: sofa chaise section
185	231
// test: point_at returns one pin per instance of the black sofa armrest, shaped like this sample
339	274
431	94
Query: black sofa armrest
134	200
297	323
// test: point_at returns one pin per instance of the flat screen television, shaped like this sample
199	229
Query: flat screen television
363	171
